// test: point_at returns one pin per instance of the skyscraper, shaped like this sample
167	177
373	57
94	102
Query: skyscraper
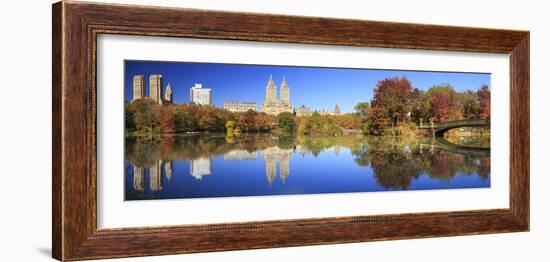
200	96
168	94
270	90
272	105
139	87
155	88
285	92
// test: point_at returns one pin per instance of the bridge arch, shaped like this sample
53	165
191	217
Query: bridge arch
439	129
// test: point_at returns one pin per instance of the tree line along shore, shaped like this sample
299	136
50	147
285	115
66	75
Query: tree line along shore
395	110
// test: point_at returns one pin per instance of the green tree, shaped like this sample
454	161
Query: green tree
185	118
129	118
318	125
285	122
362	109
420	107
470	104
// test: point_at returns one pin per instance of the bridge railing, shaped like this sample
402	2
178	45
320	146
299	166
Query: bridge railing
463	122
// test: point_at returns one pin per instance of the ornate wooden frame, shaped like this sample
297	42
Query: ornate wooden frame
76	26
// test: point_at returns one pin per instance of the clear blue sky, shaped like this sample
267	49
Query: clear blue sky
315	87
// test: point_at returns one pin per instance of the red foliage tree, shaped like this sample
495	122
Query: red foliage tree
393	97
440	107
484	96
246	121
263	122
444	103
167	121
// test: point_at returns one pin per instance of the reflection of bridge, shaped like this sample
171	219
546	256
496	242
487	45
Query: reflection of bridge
441	143
439	129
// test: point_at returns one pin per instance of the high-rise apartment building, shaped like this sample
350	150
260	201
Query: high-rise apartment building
155	88
138	87
200	96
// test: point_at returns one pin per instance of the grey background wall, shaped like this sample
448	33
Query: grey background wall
25	147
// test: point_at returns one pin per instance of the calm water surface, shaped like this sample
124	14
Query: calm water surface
214	165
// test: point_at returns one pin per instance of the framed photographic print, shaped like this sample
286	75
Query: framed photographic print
182	130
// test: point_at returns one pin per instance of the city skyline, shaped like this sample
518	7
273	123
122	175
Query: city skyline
316	88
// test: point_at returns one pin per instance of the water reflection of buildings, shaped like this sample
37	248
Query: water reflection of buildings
200	167
272	155
155	175
168	170
276	159
197	168
239	154
139	176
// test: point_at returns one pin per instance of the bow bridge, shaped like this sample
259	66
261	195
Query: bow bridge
439	129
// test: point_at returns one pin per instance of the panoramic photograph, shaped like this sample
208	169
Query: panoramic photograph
201	130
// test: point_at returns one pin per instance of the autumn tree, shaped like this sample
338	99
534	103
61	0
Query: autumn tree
167	121
208	121
246	121
444	103
263	122
440	107
349	121
484	97
230	126
378	121
392	97
147	115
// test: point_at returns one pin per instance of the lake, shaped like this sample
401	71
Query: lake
217	165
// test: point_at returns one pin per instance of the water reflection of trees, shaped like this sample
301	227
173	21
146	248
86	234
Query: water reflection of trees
315	145
144	151
395	162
